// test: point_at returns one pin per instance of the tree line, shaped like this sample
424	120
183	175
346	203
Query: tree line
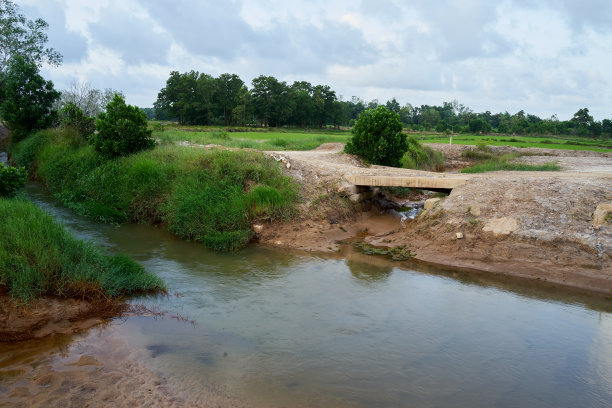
194	98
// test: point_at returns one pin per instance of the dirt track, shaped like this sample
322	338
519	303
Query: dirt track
530	224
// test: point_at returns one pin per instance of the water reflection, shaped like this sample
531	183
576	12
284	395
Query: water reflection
282	328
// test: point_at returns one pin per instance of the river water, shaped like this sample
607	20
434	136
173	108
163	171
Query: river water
279	328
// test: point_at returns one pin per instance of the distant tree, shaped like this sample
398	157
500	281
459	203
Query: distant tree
22	37
582	117
606	127
269	97
28	99
88	99
72	117
122	130
229	91
429	117
378	138
393	105
323	99
479	126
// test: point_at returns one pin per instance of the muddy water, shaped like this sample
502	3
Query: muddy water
281	329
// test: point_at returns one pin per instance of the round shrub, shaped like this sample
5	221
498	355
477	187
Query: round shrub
122	130
378	138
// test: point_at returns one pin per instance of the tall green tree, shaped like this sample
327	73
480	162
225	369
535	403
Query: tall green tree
28	99
228	95
23	37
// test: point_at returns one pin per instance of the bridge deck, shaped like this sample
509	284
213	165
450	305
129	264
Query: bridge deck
445	182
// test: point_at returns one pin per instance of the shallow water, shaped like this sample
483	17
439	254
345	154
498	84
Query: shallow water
282	328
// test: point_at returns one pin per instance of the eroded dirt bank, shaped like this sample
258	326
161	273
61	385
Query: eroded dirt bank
536	225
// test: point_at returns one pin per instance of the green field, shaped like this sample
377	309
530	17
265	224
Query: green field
302	139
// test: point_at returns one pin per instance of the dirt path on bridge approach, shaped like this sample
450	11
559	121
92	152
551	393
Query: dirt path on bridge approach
536	225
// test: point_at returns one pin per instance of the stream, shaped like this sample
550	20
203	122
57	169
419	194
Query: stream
278	328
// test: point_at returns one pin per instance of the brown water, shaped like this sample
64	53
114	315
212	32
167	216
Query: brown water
280	328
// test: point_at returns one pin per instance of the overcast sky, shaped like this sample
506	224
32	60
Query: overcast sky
544	56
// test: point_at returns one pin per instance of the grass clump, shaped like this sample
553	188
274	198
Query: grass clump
207	195
421	157
40	257
399	253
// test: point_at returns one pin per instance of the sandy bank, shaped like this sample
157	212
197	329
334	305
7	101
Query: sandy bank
536	225
95	369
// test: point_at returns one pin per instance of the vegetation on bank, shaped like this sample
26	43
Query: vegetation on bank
208	195
39	257
422	157
488	160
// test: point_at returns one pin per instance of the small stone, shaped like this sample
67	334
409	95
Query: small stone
288	165
600	214
459	235
258	228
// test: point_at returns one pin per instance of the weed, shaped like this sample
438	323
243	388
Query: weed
422	157
40	257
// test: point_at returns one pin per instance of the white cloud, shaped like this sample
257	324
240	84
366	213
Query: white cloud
541	56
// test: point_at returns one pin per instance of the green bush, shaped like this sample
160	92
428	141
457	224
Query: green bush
40	257
71	116
122	130
378	138
476	155
422	157
12	179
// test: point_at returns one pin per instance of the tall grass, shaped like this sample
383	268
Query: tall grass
40	257
506	162
422	157
207	195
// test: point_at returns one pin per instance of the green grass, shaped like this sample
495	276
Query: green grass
499	165
39	257
306	139
207	195
260	140
548	142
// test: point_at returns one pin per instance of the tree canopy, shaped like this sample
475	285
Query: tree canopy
29	99
22	37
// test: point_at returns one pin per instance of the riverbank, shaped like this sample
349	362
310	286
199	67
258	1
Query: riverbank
531	225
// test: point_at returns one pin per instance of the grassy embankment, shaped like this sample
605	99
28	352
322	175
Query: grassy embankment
40	257
208	195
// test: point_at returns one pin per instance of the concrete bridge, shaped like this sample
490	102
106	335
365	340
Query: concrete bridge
360	185
434	182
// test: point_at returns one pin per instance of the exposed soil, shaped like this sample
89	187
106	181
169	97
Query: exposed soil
529	224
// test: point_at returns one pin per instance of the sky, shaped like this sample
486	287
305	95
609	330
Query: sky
543	56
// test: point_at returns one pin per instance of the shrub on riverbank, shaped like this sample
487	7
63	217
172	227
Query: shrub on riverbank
421	157
207	195
40	257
